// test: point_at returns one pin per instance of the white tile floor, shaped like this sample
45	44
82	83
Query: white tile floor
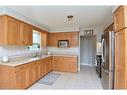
85	79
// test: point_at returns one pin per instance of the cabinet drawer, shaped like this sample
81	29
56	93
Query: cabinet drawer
21	67
73	59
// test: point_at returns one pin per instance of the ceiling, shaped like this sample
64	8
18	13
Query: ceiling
56	16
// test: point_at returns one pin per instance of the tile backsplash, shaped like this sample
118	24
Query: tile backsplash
69	51
18	51
14	52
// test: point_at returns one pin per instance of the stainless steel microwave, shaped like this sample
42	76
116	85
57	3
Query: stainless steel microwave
63	43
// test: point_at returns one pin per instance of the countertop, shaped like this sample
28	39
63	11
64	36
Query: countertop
24	61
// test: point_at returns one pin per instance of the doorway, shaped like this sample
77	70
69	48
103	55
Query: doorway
88	50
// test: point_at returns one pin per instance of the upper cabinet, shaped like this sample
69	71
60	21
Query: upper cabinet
9	31
53	38
26	34
44	39
120	18
14	32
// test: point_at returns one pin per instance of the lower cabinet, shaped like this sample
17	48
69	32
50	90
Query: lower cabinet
36	71
22	79
23	76
45	66
120	78
67	64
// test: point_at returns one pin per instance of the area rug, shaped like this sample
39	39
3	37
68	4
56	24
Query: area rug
49	79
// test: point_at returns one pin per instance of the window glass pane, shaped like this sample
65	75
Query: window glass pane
36	41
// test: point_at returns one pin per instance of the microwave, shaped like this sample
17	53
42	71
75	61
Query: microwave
63	43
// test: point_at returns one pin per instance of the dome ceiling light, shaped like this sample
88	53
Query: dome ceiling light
70	17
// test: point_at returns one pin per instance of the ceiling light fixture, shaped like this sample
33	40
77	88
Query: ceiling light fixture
70	17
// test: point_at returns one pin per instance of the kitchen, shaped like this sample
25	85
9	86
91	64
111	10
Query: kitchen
33	57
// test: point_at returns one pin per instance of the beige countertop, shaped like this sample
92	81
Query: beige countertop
24	61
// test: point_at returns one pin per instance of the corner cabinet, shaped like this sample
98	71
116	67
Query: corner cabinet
14	32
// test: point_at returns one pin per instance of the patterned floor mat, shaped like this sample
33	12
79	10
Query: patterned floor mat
49	79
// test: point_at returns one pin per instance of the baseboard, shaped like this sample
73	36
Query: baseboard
87	64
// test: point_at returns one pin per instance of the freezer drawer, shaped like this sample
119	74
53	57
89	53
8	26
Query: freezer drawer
107	78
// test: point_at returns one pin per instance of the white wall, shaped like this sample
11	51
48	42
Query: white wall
98	30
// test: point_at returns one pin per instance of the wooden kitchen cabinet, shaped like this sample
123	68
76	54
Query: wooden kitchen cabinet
48	65
36	71
120	78
56	63
120	23
45	66
23	76
120	18
120	59
9	30
22	79
67	64
26	35
44	39
72	37
14	32
42	68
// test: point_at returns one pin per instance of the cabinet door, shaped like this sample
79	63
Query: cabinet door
74	39
50	64
13	31
120	59
120	48
69	65
27	34
36	71
22	79
31	79
119	78
41	69
64	65
120	18
56	64
44	39
55	40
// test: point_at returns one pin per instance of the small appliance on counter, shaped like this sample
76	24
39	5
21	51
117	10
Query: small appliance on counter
49	53
5	59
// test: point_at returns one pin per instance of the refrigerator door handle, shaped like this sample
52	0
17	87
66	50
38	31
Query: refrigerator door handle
106	71
102	50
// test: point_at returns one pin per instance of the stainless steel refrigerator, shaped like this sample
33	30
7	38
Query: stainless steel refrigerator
107	67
